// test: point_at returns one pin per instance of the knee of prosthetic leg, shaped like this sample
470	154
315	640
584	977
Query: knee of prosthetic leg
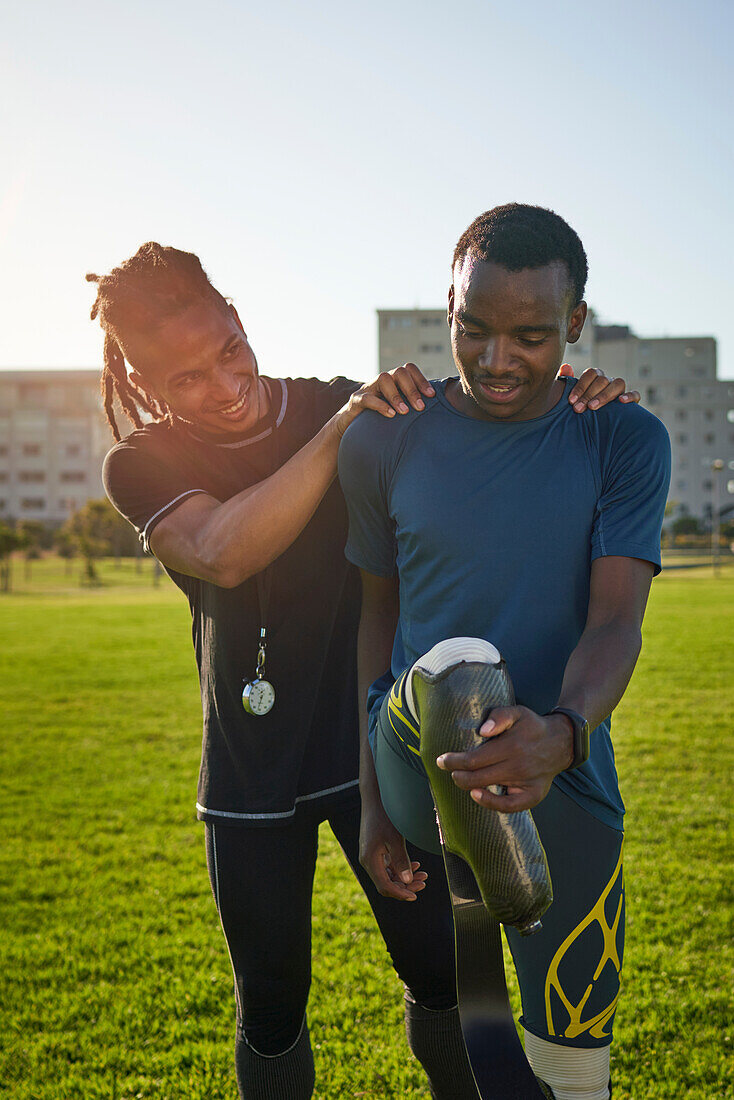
570	1073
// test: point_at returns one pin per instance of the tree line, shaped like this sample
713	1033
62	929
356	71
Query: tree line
95	531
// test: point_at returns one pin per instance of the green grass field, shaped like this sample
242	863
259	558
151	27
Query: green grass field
114	978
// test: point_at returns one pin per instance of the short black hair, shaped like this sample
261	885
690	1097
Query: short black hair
517	236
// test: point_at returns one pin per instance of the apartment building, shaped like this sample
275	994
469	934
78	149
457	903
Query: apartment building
53	438
676	377
415	336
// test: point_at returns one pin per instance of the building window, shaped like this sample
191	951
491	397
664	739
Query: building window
644	372
681	414
3	450
29	504
32	394
682	438
399	322
708	484
431	349
3	504
31	449
28	476
683	391
682	486
709	437
708	414
72	450
683	464
698	371
425	321
72	475
652	395
3	475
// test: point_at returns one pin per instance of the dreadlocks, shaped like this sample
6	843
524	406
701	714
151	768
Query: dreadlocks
138	296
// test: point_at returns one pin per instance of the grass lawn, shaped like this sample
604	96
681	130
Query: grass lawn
114	977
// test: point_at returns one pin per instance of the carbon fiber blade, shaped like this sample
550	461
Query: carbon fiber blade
511	882
497	1059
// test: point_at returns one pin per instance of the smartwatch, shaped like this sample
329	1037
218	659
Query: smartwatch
580	736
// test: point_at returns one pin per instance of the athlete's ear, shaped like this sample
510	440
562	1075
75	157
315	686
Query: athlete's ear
237	318
576	323
450	315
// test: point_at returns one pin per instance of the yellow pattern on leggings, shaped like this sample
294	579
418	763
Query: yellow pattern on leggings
595	1024
401	719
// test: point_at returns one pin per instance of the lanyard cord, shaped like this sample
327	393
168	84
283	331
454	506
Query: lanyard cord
264	579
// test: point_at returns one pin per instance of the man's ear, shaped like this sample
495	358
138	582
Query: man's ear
450	314
576	323
237	318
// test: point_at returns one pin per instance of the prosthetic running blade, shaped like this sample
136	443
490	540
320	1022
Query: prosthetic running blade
496	869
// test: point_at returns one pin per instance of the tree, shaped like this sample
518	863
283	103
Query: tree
92	531
686	525
66	547
9	541
33	535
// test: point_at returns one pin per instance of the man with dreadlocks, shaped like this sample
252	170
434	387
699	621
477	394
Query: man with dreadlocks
230	483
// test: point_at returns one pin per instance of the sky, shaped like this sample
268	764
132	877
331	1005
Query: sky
322	160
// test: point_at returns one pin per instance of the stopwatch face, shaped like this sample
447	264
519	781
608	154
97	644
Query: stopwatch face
258	697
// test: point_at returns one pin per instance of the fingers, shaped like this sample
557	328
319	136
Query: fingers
586	388
404	384
399	864
401	388
368	399
566	371
492	752
515	800
393	873
419	379
632	397
499	720
594	390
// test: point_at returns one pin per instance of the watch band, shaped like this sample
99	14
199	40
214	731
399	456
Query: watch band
581	744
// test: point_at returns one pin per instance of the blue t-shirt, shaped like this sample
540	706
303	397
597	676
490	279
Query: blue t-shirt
492	527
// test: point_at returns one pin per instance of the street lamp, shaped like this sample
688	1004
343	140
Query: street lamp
716	466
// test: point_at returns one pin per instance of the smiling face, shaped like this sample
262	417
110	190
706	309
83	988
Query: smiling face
509	330
200	364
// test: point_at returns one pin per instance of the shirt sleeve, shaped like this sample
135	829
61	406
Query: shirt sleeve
635	482
341	389
142	487
364	464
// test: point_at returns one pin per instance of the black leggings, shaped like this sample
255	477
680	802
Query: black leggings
262	879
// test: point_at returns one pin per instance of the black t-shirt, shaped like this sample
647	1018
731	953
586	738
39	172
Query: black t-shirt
256	770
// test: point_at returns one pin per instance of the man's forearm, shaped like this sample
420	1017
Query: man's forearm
250	530
599	670
226	543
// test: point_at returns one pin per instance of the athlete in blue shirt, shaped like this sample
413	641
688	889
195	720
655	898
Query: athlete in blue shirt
497	513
